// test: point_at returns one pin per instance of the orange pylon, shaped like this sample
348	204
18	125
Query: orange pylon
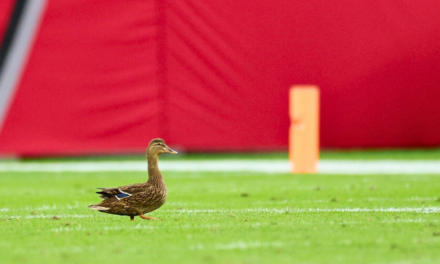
304	128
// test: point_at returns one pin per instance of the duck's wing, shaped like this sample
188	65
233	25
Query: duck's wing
122	191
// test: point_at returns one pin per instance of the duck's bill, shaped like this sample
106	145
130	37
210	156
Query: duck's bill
172	151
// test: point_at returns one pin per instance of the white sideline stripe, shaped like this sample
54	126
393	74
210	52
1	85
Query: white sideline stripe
421	210
262	166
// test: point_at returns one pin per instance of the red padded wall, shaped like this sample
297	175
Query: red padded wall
214	75
231	64
90	84
5	13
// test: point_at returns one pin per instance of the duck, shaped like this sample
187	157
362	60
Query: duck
140	198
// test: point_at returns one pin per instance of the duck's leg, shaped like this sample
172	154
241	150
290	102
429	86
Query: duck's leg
147	217
131	217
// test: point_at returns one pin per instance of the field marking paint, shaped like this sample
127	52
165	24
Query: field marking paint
424	210
421	210
245	245
40	216
105	228
260	166
241	245
284	202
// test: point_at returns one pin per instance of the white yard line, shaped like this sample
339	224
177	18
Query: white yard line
262	166
39	216
54	207
423	210
245	245
420	210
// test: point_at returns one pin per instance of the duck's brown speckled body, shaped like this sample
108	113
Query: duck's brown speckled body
141	198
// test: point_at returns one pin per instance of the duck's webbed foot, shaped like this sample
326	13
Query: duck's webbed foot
147	217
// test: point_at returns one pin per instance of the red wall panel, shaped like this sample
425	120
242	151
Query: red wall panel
220	97
214	75
231	64
5	14
90	84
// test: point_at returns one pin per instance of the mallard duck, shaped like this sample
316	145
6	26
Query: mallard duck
140	198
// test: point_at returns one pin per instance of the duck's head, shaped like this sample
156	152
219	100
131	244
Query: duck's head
157	146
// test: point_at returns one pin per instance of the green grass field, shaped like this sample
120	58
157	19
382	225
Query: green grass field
226	218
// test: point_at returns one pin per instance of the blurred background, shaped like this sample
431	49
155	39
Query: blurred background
103	77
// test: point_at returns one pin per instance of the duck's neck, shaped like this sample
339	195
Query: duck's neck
154	175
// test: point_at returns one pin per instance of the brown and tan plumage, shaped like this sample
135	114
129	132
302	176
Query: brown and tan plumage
140	198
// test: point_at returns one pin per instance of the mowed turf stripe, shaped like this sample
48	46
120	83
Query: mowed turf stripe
421	210
262	166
